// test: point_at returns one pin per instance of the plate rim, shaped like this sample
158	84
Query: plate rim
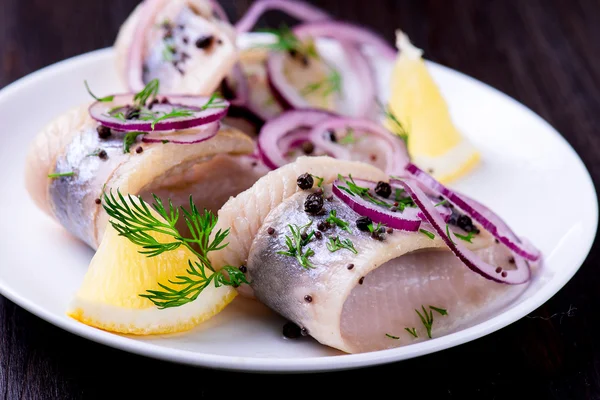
307	364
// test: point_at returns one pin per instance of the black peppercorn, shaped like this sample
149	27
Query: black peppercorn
361	280
102	154
139	149
318	235
304	332
465	223
363	223
98	201
313	203
291	330
308	147
331	136
305	181
323	226
204	42
383	189
350	266
243	269
103	131
271	230
308	298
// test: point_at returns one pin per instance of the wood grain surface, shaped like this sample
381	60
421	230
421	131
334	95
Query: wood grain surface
544	53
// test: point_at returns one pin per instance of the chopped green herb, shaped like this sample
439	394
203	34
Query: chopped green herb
412	331
101	99
399	128
150	90
441	311
333	219
354	190
468	238
135	221
296	243
164	141
58	175
336	244
95	153
448	234
426	319
392	336
441	203
398	196
330	84
168	52
319	179
129	139
430	235
349	138
175	113
216	101
286	40
375	228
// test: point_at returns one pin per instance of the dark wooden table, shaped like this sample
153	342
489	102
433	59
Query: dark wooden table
544	53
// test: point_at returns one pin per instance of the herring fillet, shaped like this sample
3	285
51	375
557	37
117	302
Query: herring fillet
69	144
245	213
352	309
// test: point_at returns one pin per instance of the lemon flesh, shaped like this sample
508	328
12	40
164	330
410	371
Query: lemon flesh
434	142
109	297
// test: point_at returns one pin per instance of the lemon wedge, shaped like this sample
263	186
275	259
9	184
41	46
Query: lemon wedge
434	142
109	297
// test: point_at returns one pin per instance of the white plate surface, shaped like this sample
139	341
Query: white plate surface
524	161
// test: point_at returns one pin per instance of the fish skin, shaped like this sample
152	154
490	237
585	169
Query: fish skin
280	282
65	145
204	69
244	214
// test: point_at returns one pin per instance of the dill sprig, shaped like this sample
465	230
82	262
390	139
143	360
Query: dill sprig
392	336
333	219
101	99
332	83
349	138
355	190
427	317
468	238
168	52
286	40
425	232
133	219
61	174
336	244
319	180
216	100
398	127
149	91
441	203
129	139
297	242
375	228
412	331
156	117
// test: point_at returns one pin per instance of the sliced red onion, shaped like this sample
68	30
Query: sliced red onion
285	94
237	85
397	156
135	59
517	276
364	74
407	220
194	136
297	9
294	140
488	219
346	32
104	112
280	126
219	11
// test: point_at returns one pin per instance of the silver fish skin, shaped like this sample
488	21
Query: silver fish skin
212	171
362	302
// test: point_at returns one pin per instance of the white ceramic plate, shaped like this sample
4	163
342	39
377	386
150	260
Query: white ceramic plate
524	160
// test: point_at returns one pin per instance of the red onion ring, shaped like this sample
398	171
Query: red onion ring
407	220
470	259
346	32
396	158
293	140
135	60
99	111
201	134
365	75
489	220
280	126
298	9
241	90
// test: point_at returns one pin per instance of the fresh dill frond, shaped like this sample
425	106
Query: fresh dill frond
398	128
287	41
319	180
336	244
168	52
412	331
95	153
61	174
355	190
441	203
333	219
448	234
375	228
101	99
425	232
133	219
216	100
392	336
468	238
297	242
129	139
331	84
149	91
158	117
349	138
441	311
426	319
